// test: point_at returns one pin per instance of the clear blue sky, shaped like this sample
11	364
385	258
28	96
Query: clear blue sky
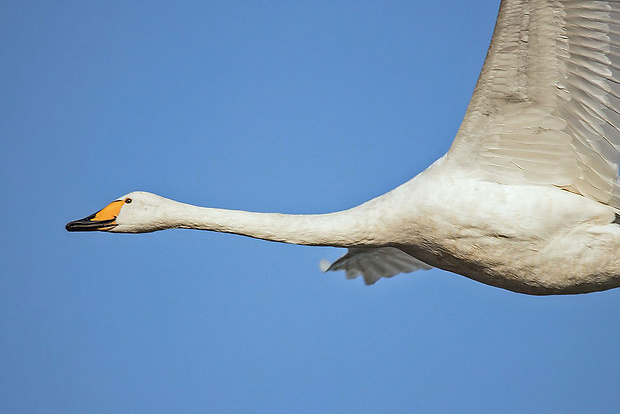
298	107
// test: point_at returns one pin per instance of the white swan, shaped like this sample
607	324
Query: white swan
527	198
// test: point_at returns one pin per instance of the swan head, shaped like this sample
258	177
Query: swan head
136	212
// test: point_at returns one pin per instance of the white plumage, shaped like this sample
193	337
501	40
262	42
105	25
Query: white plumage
545	110
528	196
374	263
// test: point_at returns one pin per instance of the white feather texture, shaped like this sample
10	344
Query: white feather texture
546	107
373	264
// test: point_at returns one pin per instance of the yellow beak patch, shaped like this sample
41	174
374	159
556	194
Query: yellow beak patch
109	212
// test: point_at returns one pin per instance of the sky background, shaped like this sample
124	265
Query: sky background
297	107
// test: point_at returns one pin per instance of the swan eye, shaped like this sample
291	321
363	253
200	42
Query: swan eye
128	200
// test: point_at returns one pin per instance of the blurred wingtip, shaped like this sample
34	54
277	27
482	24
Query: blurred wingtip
324	265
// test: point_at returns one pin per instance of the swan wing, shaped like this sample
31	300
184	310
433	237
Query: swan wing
375	263
546	108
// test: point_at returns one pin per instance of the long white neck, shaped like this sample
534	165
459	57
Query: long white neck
353	227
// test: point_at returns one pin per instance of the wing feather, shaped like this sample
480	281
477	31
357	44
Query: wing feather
374	263
546	109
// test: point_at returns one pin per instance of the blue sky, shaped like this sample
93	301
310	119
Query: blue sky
297	107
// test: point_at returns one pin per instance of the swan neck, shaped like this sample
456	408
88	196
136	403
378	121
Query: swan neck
343	229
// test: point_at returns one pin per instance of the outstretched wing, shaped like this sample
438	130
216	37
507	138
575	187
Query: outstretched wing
546	106
375	263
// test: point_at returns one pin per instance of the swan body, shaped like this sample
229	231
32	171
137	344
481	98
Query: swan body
527	198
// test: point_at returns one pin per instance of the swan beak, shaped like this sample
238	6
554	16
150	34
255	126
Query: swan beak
103	220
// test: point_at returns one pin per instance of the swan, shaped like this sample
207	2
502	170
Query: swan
526	199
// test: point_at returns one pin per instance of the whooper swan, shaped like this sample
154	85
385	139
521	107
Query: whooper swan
526	199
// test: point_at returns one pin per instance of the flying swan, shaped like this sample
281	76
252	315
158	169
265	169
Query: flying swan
526	199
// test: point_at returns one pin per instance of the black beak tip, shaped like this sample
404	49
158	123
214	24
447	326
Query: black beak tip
86	224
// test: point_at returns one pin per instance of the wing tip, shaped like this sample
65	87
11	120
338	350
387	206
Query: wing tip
324	265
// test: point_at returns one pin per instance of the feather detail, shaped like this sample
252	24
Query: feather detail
374	263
